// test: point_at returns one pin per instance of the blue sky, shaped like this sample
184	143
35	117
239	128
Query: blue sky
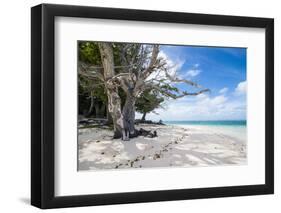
222	70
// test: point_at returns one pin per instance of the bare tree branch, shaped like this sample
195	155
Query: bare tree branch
173	95
175	79
153	60
90	72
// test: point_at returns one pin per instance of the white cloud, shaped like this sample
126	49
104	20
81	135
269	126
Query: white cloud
225	105
223	90
241	88
203	107
173	66
192	73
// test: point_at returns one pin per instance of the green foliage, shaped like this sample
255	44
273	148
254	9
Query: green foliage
169	88
148	101
89	52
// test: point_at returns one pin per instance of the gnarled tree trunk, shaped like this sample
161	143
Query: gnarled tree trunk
114	101
108	116
129	116
114	107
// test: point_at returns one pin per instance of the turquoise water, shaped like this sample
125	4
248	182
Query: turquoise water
210	123
233	128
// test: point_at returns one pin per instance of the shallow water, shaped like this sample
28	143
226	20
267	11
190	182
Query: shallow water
236	129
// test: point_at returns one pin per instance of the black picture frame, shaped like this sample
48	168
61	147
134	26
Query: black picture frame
43	102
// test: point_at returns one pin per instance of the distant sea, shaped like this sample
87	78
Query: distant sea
233	128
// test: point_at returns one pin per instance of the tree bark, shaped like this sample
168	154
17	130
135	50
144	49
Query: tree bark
114	107
108	116
114	101
143	116
129	115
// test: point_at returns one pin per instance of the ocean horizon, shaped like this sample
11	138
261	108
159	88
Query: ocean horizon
208	122
233	128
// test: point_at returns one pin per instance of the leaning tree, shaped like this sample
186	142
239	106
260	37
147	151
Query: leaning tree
148	101
134	68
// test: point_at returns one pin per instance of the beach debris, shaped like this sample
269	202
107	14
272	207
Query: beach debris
156	156
147	133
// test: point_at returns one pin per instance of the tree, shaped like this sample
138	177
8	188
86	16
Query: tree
148	101
143	69
134	68
114	100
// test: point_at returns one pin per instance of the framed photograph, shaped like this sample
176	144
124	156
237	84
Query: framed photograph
140	106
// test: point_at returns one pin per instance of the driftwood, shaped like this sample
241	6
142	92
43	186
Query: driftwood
147	133
141	132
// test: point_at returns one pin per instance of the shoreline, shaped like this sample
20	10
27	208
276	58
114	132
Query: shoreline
236	132
175	146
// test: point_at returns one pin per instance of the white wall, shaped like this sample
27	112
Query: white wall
15	107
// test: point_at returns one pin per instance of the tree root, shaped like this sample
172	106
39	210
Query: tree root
147	133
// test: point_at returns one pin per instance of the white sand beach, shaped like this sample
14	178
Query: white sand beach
175	146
